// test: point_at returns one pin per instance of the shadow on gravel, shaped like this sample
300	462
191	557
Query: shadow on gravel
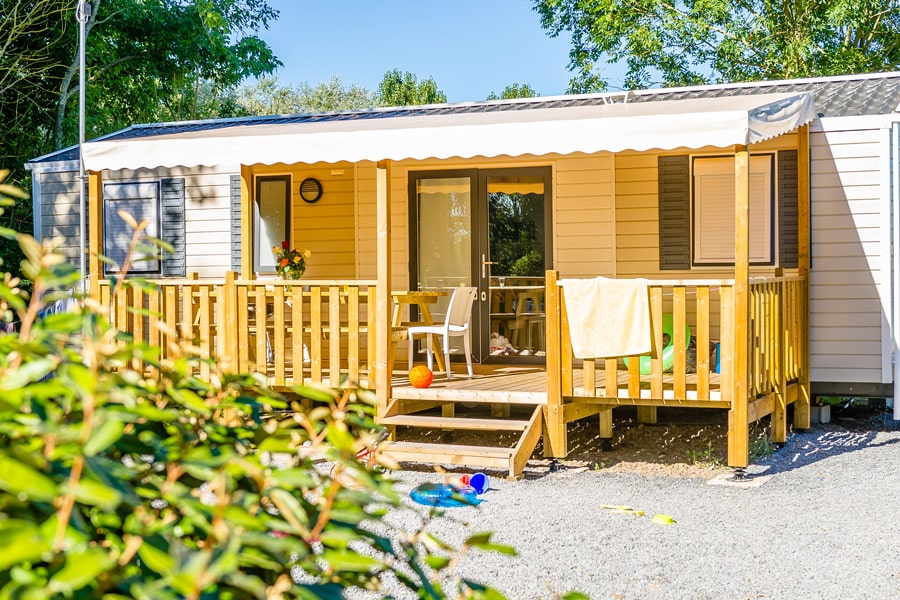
849	434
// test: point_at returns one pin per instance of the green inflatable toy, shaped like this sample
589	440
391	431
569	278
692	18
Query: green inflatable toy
668	353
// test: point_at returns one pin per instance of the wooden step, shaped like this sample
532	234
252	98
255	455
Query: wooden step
450	454
456	423
444	394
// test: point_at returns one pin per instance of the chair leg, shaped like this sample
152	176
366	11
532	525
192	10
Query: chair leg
429	348
467	346
447	356
412	344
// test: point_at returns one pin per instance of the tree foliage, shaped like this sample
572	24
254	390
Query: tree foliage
404	89
515	90
689	42
122	482
268	96
146	61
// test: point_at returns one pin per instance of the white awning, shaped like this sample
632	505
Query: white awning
666	125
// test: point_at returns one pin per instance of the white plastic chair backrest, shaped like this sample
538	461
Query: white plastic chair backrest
460	309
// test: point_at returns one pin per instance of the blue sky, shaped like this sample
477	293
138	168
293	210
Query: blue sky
470	47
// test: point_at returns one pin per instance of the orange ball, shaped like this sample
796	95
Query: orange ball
421	376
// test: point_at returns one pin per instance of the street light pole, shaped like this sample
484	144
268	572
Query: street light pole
82	14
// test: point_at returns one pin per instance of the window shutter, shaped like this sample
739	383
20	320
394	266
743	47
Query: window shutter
674	212
788	194
173	263
236	223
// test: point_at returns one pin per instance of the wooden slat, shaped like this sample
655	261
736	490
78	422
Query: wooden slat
278	331
353	342
680	341
315	340
297	334
242	319
455	423
204	317
484	456
334	336
702	335
261	365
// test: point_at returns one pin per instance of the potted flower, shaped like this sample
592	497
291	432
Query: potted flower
291	263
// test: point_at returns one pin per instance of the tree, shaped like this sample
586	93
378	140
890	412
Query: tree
154	60
404	89
692	42
269	97
515	90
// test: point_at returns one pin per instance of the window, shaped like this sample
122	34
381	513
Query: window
272	220
713	215
141	200
696	210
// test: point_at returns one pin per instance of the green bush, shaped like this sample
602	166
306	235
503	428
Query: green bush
154	484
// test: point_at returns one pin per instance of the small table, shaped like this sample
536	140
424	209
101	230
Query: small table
421	299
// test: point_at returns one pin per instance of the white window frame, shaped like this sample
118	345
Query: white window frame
712	219
143	201
263	257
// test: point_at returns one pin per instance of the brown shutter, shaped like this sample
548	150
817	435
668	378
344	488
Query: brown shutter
674	212
787	208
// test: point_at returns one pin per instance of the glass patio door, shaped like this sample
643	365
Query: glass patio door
488	229
517	256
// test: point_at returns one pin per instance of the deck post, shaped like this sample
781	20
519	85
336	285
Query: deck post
738	424
95	223
227	338
801	405
555	442
383	302
246	223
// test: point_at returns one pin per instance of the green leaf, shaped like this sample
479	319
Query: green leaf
29	372
285	501
437	562
349	561
95	493
81	569
663	520
20	541
20	479
104	436
157	560
191	400
575	596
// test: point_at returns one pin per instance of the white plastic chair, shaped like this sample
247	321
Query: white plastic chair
456	324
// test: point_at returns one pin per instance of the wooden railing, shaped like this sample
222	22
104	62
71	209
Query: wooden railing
777	322
776	337
290	331
704	306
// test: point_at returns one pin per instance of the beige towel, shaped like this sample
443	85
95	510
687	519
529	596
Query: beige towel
608	317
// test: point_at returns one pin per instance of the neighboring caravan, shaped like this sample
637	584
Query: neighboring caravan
494	194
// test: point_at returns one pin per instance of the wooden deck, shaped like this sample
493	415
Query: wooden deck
527	384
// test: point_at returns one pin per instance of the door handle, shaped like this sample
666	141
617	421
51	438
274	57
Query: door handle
484	263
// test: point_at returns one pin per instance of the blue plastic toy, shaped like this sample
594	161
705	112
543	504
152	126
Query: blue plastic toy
445	495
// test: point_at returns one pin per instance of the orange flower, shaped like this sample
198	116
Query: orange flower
284	262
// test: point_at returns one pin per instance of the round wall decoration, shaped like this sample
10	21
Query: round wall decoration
311	189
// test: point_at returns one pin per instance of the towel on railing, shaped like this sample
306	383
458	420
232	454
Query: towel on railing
608	317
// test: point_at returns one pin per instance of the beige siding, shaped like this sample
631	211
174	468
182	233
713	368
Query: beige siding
849	222
584	229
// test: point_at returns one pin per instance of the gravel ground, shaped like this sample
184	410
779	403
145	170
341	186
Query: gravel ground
817	519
